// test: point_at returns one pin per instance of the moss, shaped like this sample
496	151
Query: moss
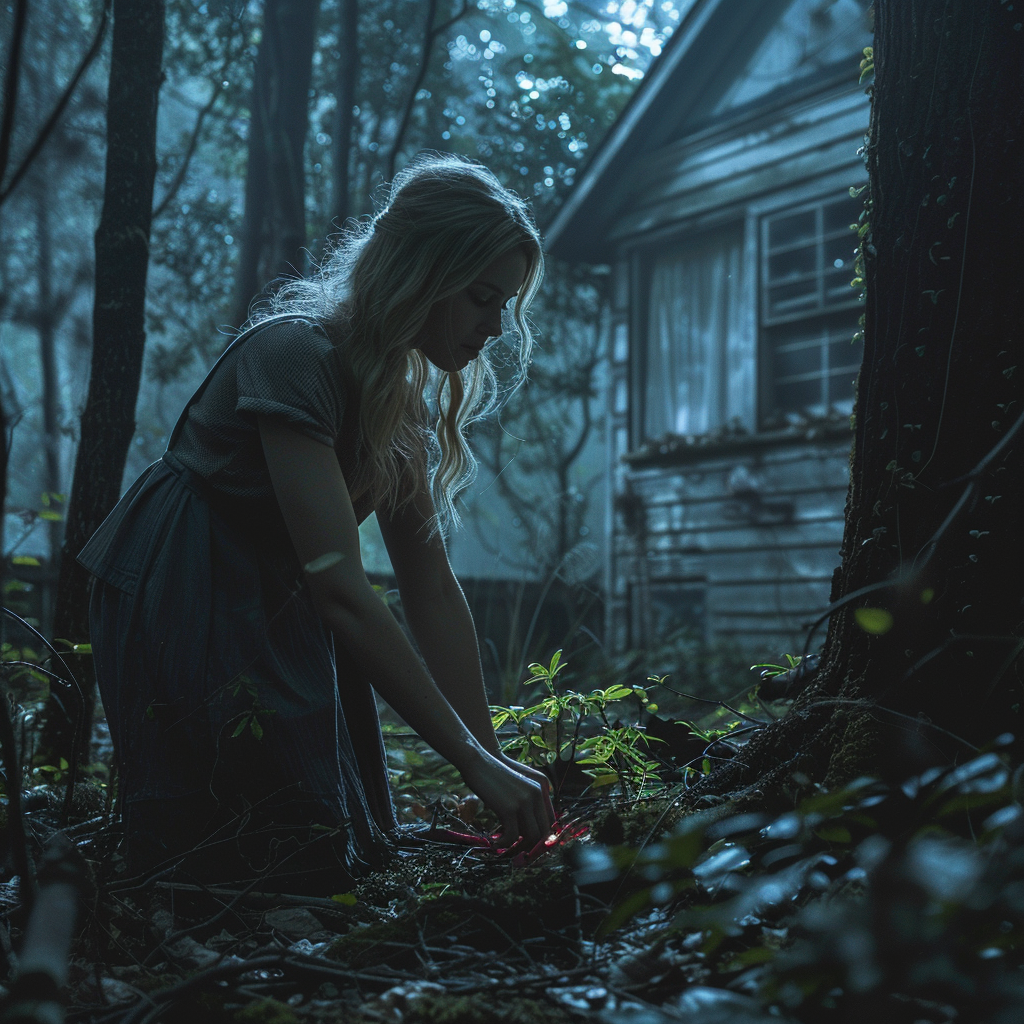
484	1009
370	946
265	1011
641	822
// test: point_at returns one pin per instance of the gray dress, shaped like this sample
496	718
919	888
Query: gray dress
237	739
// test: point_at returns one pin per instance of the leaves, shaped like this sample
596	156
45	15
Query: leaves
876	621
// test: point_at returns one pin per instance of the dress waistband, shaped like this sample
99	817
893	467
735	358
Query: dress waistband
189	477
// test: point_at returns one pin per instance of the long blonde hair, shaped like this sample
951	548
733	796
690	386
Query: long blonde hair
445	219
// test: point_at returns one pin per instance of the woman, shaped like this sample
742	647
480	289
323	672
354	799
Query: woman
235	634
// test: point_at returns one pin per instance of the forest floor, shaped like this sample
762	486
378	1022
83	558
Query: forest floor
869	903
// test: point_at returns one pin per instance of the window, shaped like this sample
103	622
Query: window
697	367
809	312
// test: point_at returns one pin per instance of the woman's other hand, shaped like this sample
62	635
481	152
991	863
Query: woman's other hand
522	804
534	775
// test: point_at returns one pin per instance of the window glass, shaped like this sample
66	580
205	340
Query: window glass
809	311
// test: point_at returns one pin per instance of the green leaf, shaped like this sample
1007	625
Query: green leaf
255	728
24	560
617	693
605	780
240	728
346	899
51	516
750	957
876	621
833	834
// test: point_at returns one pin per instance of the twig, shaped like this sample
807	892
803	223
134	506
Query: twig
708	700
69	681
15	811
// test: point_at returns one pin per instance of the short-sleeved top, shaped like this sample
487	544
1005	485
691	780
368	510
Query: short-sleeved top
288	370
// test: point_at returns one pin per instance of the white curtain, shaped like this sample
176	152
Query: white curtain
698	367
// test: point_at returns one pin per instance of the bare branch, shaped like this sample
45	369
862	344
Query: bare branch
179	175
58	110
433	31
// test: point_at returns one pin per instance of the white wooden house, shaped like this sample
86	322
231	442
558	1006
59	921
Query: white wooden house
721	200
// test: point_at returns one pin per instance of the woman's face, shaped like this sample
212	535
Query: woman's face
457	328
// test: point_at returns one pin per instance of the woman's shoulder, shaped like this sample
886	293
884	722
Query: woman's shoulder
287	331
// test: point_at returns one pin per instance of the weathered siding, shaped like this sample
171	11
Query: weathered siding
719	168
758	533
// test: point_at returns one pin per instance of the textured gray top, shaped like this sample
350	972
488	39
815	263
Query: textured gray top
288	370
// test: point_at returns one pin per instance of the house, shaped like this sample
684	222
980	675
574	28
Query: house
721	200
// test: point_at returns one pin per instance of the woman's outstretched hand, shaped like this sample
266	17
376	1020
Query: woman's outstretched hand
522	804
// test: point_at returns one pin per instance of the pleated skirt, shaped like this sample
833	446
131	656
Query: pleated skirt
240	751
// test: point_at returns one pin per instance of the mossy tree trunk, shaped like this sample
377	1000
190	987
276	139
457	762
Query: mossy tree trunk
119	334
942	384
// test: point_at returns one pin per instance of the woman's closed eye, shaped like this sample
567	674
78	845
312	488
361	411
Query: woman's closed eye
484	298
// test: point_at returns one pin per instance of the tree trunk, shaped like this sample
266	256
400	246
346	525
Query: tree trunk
348	76
122	259
274	221
46	329
941	383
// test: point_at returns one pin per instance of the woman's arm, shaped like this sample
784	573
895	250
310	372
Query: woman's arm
440	620
437	613
315	503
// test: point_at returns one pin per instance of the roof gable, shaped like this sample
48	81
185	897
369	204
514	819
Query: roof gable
727	58
810	36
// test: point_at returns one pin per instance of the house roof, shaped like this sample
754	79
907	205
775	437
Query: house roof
707	52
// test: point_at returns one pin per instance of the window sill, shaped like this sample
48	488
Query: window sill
677	449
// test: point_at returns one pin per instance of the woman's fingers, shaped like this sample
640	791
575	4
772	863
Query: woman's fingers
521	803
542	781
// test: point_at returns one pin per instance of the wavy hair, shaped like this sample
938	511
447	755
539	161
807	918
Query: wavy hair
445	219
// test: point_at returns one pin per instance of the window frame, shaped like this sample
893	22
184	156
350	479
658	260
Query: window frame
823	315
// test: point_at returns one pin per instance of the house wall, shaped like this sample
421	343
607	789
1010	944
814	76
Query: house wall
738	537
738	546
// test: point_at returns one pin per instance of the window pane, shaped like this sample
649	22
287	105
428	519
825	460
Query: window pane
792	229
841	214
838	290
802	396
840	249
788	299
793	263
792	361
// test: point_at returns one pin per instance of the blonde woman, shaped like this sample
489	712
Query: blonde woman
235	635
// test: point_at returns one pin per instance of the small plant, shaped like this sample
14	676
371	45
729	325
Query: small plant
770	670
561	726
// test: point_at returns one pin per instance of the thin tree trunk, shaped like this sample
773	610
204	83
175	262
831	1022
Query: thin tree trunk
10	101
46	330
274	220
344	119
122	259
